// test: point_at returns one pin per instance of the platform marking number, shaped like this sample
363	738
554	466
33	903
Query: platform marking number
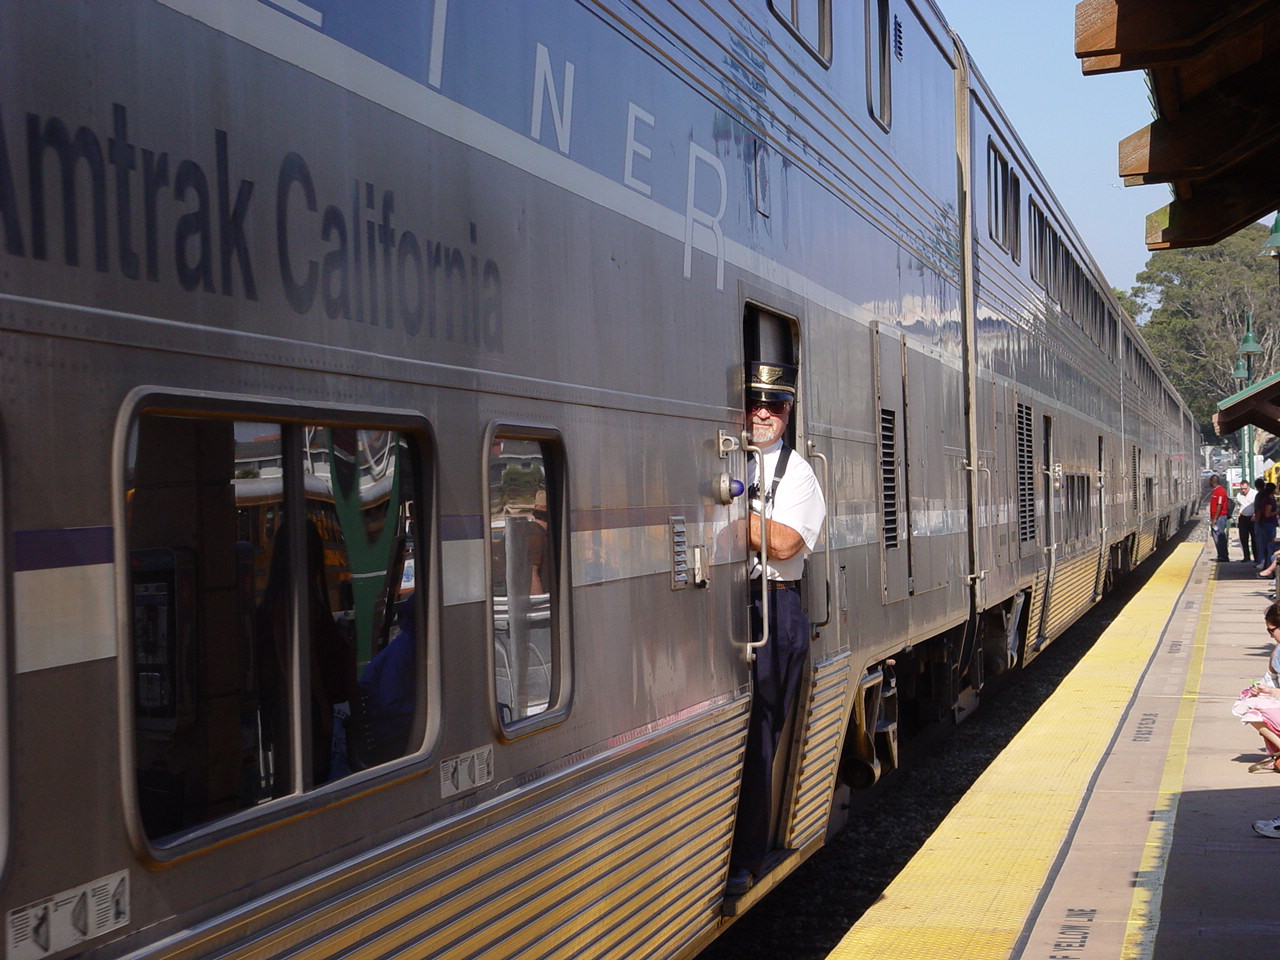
73	916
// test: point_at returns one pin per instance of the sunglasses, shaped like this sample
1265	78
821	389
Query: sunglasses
775	407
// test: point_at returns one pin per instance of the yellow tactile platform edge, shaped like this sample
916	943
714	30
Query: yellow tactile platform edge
969	890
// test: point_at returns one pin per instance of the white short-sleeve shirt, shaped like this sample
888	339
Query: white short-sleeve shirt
798	503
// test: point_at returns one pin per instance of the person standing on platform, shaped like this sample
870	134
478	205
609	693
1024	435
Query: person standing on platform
1259	485
1264	523
789	501
1219	510
1244	520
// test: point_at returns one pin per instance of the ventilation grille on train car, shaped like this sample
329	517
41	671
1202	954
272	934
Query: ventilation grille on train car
889	475
1026	476
1133	479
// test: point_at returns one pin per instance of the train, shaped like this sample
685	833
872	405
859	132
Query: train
386	602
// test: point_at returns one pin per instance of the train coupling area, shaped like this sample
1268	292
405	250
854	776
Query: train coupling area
1119	822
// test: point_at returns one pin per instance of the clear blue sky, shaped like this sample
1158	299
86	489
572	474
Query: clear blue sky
1071	124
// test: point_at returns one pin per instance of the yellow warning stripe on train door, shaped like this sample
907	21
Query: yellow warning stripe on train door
969	890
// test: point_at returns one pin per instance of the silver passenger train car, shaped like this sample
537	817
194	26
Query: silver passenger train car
386	601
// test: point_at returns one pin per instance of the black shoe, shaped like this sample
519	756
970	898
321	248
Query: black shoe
739	882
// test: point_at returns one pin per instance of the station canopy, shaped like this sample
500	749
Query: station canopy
1258	405
1214	76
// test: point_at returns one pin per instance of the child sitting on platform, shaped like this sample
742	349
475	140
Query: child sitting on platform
1259	703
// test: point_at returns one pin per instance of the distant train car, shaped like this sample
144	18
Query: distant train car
371	407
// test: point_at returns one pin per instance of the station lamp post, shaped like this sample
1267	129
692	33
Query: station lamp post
1244	372
1270	248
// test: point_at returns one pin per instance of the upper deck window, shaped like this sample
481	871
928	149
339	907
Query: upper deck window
810	20
1004	203
276	631
882	30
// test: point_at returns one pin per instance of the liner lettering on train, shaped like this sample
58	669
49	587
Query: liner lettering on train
349	259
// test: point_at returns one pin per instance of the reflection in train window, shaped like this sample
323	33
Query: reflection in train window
525	541
221	607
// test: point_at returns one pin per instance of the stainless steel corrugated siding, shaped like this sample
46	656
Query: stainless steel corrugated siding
823	736
523	878
1073	583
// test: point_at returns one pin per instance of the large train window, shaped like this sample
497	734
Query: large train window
810	20
275	628
527	576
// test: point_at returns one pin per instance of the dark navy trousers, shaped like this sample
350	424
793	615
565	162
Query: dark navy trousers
776	676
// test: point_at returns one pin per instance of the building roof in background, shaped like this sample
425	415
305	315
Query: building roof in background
1258	404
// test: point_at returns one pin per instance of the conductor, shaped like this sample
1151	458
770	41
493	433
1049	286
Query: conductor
789	500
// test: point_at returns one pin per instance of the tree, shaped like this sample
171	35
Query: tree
1199	301
1131	304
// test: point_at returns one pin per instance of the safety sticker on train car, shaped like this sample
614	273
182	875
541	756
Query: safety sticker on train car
466	770
73	916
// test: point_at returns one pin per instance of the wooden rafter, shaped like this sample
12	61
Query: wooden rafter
1216	136
1221	127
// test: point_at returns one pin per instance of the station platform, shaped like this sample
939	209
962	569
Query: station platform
1118	823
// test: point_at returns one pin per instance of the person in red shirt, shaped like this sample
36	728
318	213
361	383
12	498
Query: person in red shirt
1219	510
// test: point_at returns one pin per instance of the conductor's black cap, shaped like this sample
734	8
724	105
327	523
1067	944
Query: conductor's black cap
771	381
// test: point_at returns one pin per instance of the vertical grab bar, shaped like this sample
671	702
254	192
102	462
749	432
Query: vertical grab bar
826	531
758	454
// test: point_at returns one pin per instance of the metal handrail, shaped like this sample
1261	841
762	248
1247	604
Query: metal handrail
758	453
826	531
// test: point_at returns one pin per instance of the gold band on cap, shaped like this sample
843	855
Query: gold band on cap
768	375
773	377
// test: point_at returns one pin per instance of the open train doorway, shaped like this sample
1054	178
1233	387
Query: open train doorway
785	514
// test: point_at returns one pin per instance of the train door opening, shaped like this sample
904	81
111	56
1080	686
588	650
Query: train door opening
772	390
1099	487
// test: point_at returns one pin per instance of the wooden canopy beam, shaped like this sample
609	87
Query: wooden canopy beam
1218	206
1105	27
1221	127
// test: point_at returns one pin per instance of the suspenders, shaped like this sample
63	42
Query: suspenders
783	456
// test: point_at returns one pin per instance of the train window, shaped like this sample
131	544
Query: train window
1075	507
1047	253
1004	203
527	574
810	21
881	26
274	621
